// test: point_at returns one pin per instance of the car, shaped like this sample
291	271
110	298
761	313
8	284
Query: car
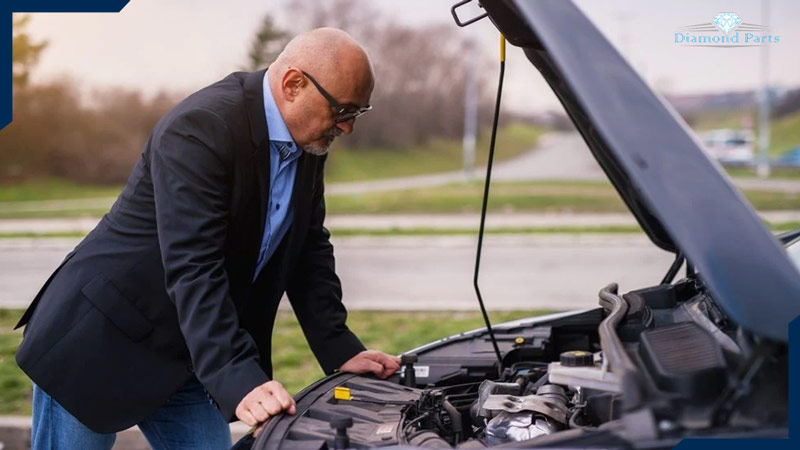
704	354
789	158
730	147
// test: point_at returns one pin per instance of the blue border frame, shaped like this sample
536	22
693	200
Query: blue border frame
111	6
33	6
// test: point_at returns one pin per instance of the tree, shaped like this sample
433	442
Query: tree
25	53
267	44
420	73
789	104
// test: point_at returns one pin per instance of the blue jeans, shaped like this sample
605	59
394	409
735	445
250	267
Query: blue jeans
187	420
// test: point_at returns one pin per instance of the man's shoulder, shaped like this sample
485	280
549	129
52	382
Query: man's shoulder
224	101
225	98
216	115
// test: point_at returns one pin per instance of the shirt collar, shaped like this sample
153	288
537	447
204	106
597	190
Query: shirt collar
278	131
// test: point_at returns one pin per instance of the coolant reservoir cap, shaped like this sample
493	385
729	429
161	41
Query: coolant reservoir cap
576	358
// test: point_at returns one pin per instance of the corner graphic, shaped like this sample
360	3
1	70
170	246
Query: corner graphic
34	6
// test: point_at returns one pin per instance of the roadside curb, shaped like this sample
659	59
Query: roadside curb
15	434
390	222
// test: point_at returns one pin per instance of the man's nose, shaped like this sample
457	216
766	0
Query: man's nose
347	125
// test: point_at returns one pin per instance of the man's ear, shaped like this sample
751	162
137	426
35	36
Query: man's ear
291	83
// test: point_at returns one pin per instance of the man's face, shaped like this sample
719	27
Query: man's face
318	103
321	146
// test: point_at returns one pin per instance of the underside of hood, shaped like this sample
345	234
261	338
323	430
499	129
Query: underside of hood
682	200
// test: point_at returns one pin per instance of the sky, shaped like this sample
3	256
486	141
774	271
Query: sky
183	45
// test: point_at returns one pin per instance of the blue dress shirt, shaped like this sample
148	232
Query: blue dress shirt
283	154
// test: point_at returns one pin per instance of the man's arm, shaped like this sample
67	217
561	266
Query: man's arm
190	164
315	292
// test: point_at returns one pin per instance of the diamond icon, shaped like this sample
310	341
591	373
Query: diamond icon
726	21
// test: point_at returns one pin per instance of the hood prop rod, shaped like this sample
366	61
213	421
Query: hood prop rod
485	203
673	269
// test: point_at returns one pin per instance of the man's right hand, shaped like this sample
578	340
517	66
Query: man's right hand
263	402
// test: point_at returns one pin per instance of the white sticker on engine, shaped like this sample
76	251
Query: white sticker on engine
384	429
419	372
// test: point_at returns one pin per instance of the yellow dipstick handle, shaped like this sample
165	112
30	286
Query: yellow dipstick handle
342	393
502	48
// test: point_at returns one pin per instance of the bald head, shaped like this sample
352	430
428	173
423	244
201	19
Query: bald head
327	54
343	72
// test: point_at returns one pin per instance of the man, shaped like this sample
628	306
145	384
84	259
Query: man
162	316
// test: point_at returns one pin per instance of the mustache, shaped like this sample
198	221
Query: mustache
332	132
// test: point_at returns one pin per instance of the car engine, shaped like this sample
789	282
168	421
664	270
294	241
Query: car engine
647	368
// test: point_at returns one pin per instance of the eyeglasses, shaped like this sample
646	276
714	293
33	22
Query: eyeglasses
342	113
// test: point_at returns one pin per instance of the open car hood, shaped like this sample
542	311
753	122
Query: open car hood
682	199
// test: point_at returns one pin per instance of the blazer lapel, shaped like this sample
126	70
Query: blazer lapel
259	134
262	163
301	202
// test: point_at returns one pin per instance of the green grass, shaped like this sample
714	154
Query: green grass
536	196
773	201
294	364
15	388
785	134
54	189
540	196
784	226
437	155
49	234
58	214
776	173
726	118
565	229
416	231
422	231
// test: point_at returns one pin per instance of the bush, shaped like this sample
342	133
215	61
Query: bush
54	132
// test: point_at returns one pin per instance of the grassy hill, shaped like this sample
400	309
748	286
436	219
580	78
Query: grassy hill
785	134
437	155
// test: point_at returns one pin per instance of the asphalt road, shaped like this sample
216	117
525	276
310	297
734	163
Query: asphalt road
418	273
558	156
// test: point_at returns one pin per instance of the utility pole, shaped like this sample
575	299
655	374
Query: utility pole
470	110
762	166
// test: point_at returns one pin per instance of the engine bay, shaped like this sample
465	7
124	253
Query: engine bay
647	368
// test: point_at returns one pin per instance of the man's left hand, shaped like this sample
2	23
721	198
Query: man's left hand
379	363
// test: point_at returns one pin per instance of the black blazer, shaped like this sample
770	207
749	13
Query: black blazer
163	286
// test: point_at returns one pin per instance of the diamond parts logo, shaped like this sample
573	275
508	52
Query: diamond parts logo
718	33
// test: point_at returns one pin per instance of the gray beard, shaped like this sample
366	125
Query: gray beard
319	150
316	150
